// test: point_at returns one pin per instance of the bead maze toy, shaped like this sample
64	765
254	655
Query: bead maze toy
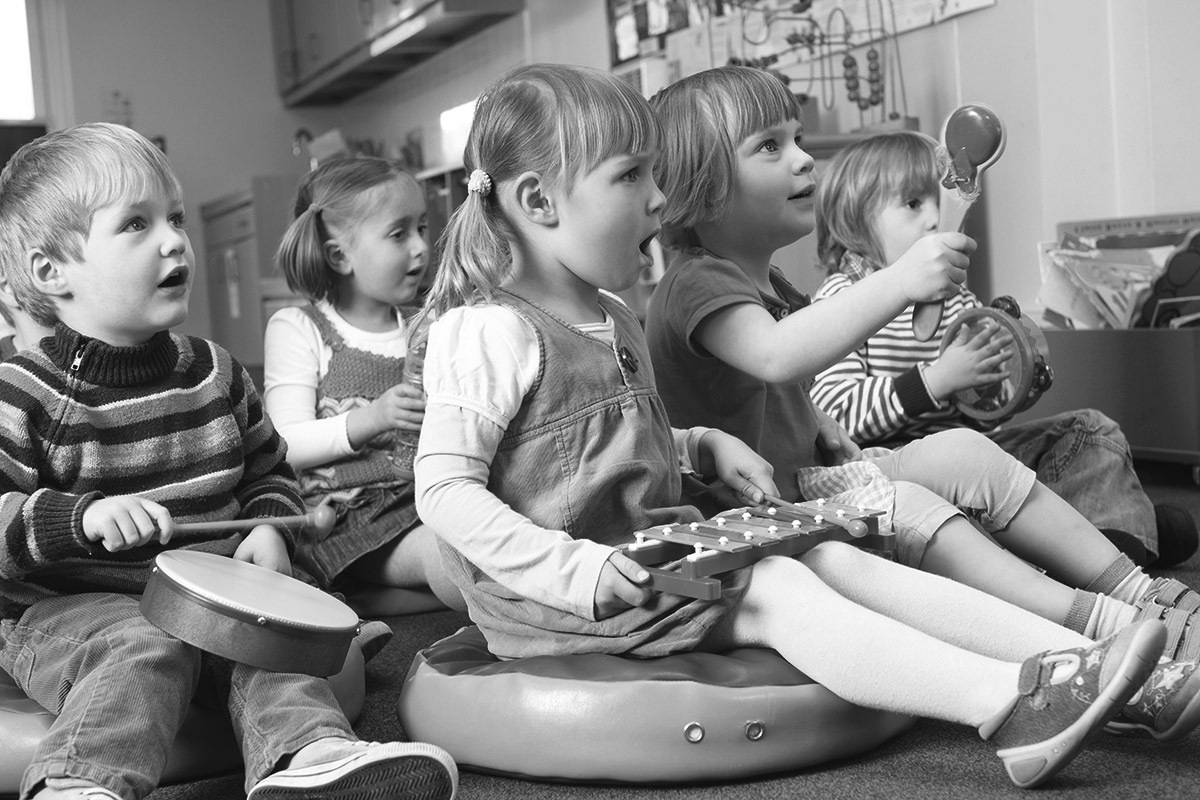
694	552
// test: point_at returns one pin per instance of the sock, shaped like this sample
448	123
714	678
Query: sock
1131	589
1082	609
1108	617
1113	574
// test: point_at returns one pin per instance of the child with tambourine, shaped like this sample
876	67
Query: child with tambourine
735	347
545	446
880	196
113	431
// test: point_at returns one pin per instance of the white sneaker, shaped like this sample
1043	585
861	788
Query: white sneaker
389	771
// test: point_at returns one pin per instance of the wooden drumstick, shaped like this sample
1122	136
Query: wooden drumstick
855	527
320	519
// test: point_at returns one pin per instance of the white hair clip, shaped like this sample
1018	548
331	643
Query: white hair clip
480	183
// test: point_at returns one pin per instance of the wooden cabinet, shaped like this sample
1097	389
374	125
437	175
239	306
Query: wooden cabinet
444	190
241	233
328	51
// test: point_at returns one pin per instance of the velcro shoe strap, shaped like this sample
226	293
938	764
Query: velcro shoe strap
1031	675
1170	592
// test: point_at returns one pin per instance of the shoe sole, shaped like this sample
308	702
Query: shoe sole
404	771
1033	764
1187	721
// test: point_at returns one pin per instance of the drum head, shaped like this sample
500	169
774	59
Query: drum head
248	613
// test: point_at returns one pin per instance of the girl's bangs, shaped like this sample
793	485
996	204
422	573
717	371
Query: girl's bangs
910	172
613	123
761	104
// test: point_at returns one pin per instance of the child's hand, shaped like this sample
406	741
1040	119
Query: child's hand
737	465
125	521
265	546
834	442
970	361
934	266
623	584
401	407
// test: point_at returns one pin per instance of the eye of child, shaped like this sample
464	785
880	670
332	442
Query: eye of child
769	145
179	220
136	224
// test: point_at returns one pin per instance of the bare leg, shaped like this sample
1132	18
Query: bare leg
1050	533
412	562
959	551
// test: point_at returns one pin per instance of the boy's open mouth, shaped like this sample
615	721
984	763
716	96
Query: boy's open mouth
645	245
178	277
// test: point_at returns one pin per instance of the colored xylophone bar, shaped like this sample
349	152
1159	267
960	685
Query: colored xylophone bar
740	537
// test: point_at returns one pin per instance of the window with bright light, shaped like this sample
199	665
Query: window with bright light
16	87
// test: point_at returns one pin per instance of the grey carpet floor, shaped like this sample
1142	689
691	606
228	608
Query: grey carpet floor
934	760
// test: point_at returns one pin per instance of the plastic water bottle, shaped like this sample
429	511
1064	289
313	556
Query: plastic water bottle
413	375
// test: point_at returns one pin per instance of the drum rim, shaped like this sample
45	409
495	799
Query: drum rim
179	585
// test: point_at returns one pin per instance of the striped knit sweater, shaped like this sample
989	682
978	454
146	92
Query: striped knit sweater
877	392
175	420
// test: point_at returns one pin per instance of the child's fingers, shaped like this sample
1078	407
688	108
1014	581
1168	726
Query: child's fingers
629	568
758	484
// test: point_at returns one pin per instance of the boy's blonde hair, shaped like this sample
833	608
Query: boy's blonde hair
859	181
705	118
329	202
52	186
557	120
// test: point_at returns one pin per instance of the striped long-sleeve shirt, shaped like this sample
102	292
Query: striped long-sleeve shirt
877	392
175	420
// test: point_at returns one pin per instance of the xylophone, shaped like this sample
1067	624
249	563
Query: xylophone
739	537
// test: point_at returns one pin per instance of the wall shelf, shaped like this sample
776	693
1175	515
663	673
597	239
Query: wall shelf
326	61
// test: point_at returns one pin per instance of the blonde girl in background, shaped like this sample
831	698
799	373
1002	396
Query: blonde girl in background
545	445
879	197
357	250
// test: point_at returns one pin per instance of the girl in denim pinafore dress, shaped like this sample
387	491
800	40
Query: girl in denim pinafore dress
335	382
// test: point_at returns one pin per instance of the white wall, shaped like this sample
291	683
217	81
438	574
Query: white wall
1097	97
199	73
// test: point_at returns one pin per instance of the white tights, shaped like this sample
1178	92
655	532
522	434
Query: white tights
886	636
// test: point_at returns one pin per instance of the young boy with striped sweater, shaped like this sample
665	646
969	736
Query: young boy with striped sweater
112	431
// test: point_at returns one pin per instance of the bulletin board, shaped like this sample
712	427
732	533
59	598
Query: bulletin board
640	27
803	42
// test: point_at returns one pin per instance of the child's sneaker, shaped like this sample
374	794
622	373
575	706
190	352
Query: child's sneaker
372	771
1168	705
1177	606
1066	696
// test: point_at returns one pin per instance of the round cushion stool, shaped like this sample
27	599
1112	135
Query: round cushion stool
601	718
204	746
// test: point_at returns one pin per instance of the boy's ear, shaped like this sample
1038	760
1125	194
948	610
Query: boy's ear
335	256
47	274
534	200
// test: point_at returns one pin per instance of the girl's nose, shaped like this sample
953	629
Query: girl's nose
658	200
931	212
803	162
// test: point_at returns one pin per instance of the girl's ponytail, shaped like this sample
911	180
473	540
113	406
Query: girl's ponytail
475	257
301	254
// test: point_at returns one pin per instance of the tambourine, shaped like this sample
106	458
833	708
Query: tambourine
1030	374
248	613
